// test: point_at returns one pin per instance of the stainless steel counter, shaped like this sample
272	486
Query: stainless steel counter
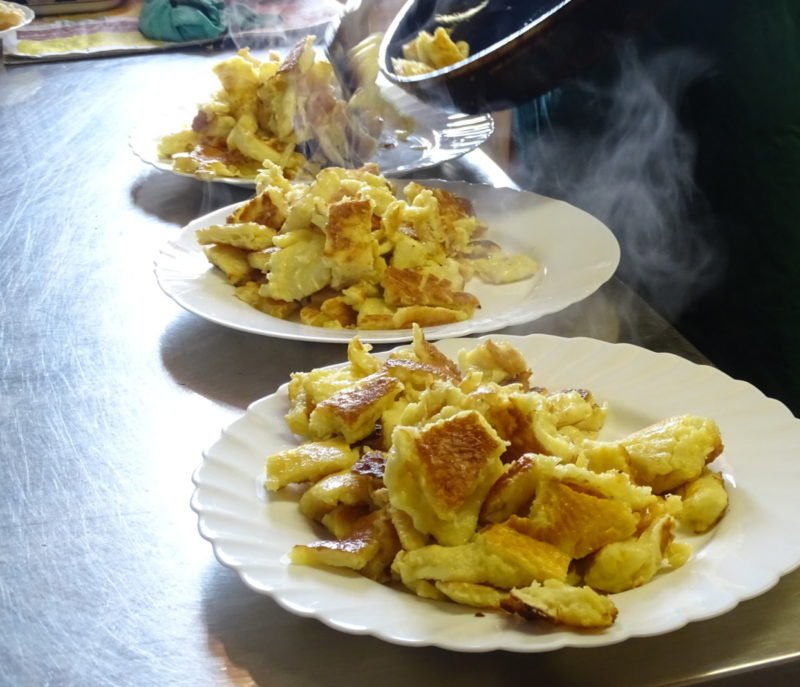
109	392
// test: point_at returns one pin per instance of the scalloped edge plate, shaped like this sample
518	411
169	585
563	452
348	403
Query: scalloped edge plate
576	253
743	557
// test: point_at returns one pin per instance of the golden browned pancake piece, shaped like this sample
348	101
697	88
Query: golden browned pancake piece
704	501
246	235
342	521
562	604
415	373
514	424
249	293
349	242
513	493
470	594
673	451
426	316
497	361
406	287
427	353
576	521
308	462
627	564
452	456
439	474
344	488
369	548
498	556
231	261
538	559
353	411
332	312
262	210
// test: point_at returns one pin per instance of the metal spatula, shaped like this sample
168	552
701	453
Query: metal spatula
351	42
341	36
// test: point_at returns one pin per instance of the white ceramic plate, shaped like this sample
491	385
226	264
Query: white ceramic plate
28	17
576	252
754	545
439	136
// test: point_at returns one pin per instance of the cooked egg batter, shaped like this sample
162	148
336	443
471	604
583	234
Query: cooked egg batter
346	251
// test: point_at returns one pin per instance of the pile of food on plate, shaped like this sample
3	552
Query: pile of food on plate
429	52
462	481
289	111
11	15
346	251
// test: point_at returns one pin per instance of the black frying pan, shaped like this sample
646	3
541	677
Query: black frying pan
518	48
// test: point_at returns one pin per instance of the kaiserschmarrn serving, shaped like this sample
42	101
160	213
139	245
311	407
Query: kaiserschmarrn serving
348	251
287	110
429	52
11	15
461	480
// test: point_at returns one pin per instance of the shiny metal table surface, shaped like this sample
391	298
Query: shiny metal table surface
110	392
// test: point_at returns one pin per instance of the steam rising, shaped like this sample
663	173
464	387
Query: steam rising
265	25
632	167
627	159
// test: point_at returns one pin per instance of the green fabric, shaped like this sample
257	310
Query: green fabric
182	20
